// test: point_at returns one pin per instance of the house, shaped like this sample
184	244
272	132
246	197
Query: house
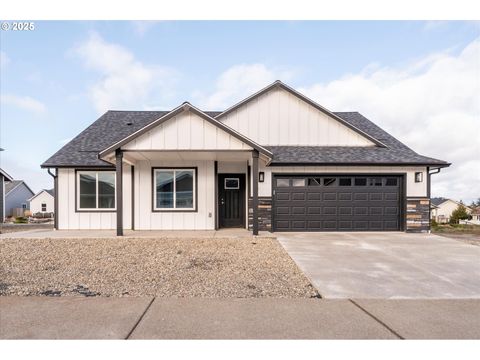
442	208
42	202
475	216
4	177
275	161
17	193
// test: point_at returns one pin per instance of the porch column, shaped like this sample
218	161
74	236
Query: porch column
119	188
255	191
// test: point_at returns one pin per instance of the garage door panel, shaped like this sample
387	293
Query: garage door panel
337	203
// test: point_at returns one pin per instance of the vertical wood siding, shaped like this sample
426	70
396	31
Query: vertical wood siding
280	118
186	131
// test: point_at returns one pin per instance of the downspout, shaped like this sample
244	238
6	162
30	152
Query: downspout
55	200
429	174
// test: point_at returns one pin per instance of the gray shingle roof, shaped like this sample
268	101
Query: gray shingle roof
437	200
10	185
50	191
113	126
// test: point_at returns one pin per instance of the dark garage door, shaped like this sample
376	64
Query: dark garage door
336	203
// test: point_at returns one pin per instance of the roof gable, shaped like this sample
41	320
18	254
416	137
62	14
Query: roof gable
297	109
153	135
14	184
48	192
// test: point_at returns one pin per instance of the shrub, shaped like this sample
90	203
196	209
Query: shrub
434	223
460	213
21	220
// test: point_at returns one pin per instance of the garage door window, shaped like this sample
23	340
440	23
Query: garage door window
375	182
329	181
283	182
298	182
345	182
360	181
314	181
391	182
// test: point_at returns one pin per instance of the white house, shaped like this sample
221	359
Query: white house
441	209
42	202
276	161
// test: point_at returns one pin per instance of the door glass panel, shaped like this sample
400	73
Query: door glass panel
184	189
232	183
283	182
298	182
164	187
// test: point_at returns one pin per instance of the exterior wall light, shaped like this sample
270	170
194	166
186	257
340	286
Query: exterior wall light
418	177
261	176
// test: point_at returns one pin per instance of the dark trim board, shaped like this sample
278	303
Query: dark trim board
76	191
174	168
402	191
215	175
132	169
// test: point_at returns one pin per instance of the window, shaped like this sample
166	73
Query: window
44	207
345	182
96	190
298	182
314	181
329	181
24	206
360	181
375	182
391	182
174	189
283	182
418	177
232	183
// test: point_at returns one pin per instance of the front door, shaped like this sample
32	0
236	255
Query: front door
231	200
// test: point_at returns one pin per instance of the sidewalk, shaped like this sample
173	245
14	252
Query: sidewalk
265	318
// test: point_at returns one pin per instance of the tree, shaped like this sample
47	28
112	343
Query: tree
460	213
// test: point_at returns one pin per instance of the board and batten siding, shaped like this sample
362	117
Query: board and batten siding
413	189
186	131
42	198
202	219
69	218
280	118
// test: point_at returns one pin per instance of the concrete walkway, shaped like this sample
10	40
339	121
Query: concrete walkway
196	318
386	265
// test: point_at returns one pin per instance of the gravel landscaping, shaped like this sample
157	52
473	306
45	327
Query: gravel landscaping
218	267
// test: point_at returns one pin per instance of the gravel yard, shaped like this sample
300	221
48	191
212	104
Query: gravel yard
218	267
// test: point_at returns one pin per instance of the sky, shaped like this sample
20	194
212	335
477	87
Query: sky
418	80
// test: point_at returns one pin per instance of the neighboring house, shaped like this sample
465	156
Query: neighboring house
276	161
42	202
17	194
442	208
475	216
4	177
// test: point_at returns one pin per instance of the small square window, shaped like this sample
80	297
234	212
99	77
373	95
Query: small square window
44	207
314	181
391	182
329	181
345	182
360	181
375	181
232	183
283	182
298	182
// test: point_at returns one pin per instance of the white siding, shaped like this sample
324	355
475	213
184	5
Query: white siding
280	118
413	189
42	198
202	219
186	131
69	218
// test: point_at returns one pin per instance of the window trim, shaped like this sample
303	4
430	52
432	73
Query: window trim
77	191
175	210
41	207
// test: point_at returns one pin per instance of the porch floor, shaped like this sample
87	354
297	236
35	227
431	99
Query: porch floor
163	234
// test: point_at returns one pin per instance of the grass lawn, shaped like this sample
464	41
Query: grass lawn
466	233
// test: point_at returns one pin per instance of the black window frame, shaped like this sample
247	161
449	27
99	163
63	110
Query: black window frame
175	210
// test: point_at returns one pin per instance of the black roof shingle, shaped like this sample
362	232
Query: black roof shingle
113	126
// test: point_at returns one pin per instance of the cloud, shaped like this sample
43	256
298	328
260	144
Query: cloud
141	27
4	60
124	82
432	104
24	103
238	82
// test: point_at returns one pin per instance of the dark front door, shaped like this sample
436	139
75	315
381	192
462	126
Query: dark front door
231	200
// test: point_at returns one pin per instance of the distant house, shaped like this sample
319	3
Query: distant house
475	216
17	193
4	177
42	202
442	208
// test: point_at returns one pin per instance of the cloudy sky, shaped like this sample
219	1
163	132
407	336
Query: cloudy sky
418	80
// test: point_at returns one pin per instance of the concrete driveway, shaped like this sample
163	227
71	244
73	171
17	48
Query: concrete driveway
386	265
